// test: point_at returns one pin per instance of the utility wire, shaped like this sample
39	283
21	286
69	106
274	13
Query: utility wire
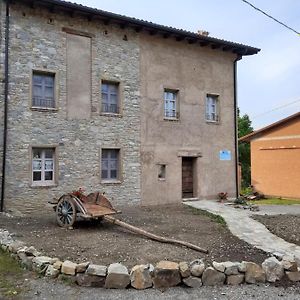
269	16
276	108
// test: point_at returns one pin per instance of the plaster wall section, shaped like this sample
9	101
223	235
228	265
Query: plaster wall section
77	141
275	161
195	72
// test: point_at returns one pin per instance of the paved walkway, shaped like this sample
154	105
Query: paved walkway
244	227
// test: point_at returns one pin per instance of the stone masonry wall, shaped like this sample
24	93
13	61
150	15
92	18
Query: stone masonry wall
38	42
2	42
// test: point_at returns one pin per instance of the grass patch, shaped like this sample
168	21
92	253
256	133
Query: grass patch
215	218
275	201
10	273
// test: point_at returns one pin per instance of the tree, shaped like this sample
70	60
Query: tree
244	127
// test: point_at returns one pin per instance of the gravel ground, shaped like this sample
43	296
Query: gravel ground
104	243
284	226
50	289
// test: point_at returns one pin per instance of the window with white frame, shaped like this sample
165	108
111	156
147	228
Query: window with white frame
110	164
171	104
212	108
43	90
110	97
43	166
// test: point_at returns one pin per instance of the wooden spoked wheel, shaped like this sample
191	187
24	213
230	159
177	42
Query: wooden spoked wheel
65	212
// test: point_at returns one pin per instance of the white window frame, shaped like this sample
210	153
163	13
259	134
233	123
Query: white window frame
171	104
43	169
212	108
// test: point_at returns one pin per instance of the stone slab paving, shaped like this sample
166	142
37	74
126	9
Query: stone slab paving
251	231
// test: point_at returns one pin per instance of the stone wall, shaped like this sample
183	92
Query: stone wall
2	43
114	57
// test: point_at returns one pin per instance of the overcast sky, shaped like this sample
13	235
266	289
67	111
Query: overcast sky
269	82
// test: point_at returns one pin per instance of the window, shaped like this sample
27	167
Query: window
110	164
43	90
43	166
171	105
212	103
110	97
161	171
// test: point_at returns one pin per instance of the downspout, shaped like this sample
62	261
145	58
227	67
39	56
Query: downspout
5	104
236	126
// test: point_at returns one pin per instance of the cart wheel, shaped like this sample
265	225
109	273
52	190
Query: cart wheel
65	212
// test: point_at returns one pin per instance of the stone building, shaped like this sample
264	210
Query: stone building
143	112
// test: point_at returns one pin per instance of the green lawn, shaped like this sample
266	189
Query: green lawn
276	201
10	275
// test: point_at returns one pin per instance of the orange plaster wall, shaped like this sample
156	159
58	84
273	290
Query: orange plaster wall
275	161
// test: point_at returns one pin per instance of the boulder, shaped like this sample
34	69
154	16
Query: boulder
231	268
31	251
193	282
15	246
96	270
184	269
90	280
166	274
81	268
40	263
293	276
273	269
254	273
26	261
117	277
57	265
197	267
140	277
52	272
235	279
219	266
68	268
289	264
242	267
213	277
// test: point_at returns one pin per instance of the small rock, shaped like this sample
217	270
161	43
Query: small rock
219	266
213	277
254	273
289	264
68	268
51	272
166	274
273	269
96	270
231	268
81	268
242	267
193	282
140	277
184	269
117	277
40	263
293	276
90	280
26	261
197	267
235	279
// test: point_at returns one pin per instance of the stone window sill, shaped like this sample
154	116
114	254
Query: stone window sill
111	182
111	115
44	109
38	186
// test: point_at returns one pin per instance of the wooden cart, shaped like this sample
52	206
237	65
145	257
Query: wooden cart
75	205
70	207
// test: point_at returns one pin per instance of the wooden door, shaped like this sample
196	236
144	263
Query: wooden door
187	177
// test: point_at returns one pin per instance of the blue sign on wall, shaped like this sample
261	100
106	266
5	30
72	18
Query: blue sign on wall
225	155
